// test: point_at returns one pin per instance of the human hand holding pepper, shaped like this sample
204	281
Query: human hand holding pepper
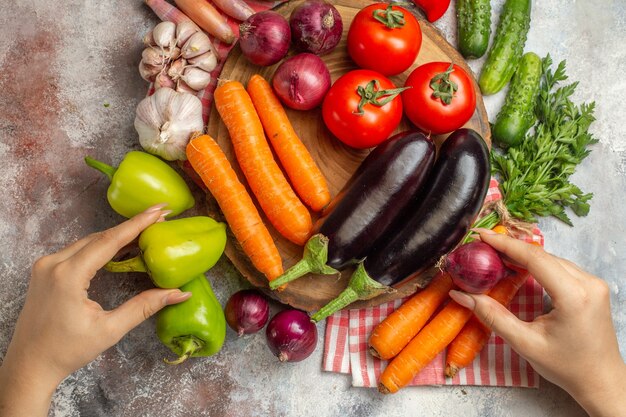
60	329
574	345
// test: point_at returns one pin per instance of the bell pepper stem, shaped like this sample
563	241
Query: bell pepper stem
188	346
360	287
135	264
106	169
313	260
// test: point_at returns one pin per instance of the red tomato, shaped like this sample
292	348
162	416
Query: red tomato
378	40
426	107
375	123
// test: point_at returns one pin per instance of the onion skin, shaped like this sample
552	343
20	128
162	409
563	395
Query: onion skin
246	312
264	38
475	267
316	27
302	81
291	336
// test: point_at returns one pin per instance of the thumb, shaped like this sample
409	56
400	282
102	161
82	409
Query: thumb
142	306
497	317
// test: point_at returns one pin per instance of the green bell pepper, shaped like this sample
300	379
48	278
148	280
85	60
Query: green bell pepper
195	327
141	181
176	251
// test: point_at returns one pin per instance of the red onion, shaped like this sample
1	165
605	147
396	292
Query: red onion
264	38
475	267
291	335
302	81
316	27
246	312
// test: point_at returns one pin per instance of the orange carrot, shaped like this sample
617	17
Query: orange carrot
397	329
208	18
424	347
473	337
211	164
266	180
305	175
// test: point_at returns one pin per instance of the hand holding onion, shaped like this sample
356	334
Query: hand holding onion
574	345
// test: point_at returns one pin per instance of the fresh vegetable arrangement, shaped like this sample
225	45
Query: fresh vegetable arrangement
407	208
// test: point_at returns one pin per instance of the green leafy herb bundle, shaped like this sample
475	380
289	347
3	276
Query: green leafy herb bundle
534	176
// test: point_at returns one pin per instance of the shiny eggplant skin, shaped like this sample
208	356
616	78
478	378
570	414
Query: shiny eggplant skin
451	200
386	182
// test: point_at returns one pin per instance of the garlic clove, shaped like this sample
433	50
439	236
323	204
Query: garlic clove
163	80
174	53
153	56
164	34
149	72
182	87
176	69
198	44
196	78
148	40
165	121
184	30
207	61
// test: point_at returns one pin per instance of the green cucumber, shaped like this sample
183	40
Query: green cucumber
518	112
473	19
507	47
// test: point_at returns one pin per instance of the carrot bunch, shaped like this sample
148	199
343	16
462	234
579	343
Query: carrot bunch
411	337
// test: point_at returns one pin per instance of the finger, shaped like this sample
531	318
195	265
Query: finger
106	244
73	248
494	315
142	306
543	266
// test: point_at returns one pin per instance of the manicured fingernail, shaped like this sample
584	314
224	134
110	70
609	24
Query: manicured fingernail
155	208
163	214
176	297
483	230
464	299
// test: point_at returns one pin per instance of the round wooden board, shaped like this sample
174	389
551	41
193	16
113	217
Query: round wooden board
336	161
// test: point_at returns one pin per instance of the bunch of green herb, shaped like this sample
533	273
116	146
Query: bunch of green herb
534	176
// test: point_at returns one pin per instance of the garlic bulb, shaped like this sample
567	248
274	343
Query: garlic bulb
176	54
165	121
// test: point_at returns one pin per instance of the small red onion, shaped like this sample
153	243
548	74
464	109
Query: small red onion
291	336
264	38
316	27
302	81
475	267
246	312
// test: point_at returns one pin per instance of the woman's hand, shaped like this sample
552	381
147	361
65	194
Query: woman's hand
574	345
60	329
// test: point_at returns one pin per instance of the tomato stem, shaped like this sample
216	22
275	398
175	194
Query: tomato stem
443	87
389	17
372	94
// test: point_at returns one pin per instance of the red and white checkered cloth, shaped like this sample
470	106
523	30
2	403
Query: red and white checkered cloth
345	345
347	332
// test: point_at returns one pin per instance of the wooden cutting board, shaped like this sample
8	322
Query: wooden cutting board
336	160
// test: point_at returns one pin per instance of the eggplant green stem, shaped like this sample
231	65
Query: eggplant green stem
135	264
106	169
313	260
360	287
188	345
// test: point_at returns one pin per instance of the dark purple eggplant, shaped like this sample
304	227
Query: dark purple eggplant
386	183
451	199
